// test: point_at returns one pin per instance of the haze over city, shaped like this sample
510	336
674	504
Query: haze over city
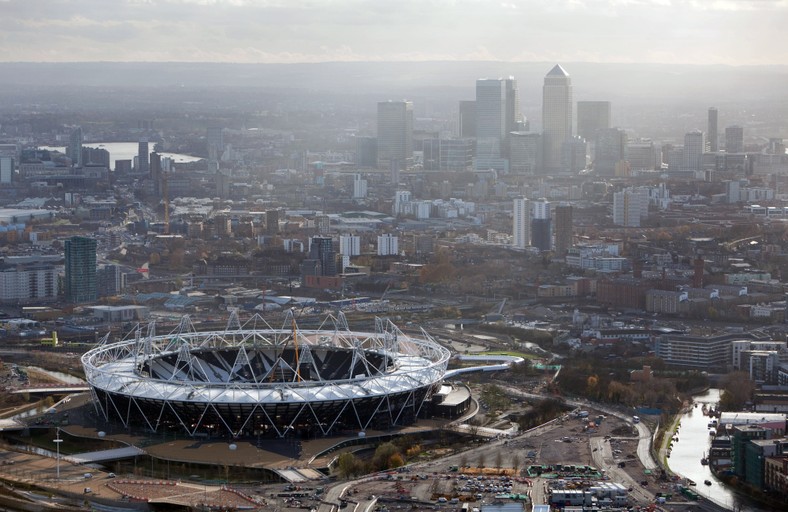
393	255
731	32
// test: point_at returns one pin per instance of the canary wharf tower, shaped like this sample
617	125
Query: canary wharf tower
556	116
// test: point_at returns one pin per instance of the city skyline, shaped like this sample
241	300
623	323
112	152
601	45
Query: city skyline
244	31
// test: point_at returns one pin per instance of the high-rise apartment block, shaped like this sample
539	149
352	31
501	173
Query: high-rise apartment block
388	245
542	226
80	281
521	223
556	116
143	165
395	134
366	151
321	250
74	150
630	206
350	245
563	229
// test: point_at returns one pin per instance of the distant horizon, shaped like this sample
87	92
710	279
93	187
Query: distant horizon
426	61
728	32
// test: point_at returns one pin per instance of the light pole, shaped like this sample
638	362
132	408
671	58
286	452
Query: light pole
57	442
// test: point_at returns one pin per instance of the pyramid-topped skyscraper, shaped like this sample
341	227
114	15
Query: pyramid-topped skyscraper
556	116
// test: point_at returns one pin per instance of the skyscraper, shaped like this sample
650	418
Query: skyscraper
395	134
490	117
694	146
321	248
556	116
143	166
541	226
711	130
734	139
497	115
80	281
525	152
521	225
611	148
592	116
467	120
563	229
74	151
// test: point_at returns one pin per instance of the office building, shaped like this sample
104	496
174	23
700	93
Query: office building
366	151
388	245
642	154
497	114
447	154
74	149
734	139
95	156
592	116
521	223
467	120
143	166
541	226
712	131
563	229
525	152
395	134
556	116
611	150
80	282
573	154
694	146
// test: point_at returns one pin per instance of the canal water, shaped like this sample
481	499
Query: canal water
694	442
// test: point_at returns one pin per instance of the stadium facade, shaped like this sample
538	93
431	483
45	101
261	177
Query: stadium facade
255	380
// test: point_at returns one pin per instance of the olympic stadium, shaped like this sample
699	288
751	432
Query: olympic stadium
252	379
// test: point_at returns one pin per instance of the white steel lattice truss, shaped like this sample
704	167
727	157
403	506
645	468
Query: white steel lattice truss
251	377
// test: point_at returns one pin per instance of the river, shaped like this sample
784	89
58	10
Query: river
125	151
694	442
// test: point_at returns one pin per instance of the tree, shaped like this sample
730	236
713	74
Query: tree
348	465
516	463
480	461
737	391
498	459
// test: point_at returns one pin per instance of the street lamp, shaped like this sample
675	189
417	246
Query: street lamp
57	442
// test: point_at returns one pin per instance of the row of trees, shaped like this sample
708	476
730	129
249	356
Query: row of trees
388	455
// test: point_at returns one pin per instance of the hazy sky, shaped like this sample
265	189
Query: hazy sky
682	31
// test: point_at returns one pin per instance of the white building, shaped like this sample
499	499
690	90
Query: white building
556	116
350	245
28	283
6	169
359	187
630	206
402	199
521	225
388	245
